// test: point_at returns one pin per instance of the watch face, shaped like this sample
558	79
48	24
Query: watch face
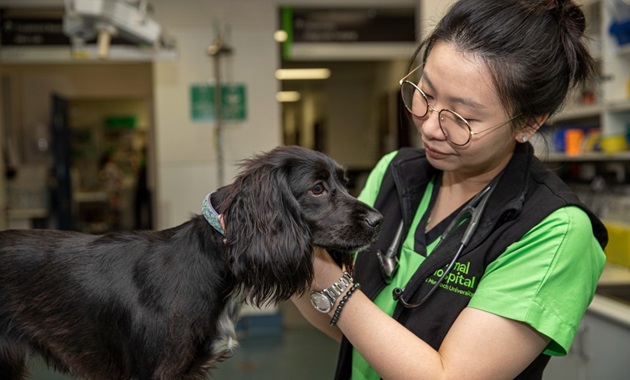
321	302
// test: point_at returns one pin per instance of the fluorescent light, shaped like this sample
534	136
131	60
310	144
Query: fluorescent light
280	36
296	74
288	96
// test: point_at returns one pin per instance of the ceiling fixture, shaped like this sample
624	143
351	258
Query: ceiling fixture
288	96
302	74
280	35
103	19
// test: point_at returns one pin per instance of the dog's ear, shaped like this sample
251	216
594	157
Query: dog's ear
268	242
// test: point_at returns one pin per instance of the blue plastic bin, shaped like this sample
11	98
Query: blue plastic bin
621	31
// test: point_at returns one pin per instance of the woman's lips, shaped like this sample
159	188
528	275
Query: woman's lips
432	152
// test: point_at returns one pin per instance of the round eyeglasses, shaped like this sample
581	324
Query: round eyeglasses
455	128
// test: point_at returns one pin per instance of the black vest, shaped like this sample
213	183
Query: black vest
526	193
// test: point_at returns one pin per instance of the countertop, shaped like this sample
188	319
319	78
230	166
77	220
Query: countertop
605	306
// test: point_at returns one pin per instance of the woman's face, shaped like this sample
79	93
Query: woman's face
460	82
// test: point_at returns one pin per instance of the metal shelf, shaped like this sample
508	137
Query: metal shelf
579	112
586	157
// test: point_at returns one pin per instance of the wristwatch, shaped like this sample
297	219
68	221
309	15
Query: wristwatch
324	300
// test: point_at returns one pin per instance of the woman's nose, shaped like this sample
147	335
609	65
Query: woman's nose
430	126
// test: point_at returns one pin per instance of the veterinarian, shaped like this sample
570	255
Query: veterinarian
486	80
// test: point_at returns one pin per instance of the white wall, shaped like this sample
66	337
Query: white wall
186	153
186	150
430	12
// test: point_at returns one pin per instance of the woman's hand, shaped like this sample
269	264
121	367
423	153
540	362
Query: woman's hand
327	271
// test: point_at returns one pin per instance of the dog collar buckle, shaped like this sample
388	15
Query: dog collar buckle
211	215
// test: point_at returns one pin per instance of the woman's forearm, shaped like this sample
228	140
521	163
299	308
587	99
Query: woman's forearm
319	320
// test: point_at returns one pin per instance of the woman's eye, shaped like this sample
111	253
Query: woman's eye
318	189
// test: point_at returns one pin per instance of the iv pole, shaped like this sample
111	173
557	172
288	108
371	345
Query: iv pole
216	51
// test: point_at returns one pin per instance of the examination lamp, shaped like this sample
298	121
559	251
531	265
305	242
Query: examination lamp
88	19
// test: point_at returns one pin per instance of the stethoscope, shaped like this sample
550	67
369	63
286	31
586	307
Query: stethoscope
471	212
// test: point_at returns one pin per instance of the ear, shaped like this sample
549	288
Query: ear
268	242
529	128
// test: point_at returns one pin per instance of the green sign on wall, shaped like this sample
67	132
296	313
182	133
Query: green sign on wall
233	102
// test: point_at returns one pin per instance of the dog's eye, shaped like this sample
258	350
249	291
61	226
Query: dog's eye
318	189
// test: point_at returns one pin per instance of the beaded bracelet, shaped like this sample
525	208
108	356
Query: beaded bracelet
344	299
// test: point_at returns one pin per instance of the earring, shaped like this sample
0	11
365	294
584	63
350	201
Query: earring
524	138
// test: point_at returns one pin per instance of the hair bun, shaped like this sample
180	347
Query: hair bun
569	15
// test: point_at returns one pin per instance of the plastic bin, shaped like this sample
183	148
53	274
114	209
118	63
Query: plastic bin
618	248
620	24
621	31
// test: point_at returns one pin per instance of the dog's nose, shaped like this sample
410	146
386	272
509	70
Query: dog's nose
374	219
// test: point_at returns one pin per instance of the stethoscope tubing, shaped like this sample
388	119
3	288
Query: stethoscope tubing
472	212
398	292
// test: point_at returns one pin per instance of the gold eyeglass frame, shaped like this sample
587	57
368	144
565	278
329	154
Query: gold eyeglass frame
471	133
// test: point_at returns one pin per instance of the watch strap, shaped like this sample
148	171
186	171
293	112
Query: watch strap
335	290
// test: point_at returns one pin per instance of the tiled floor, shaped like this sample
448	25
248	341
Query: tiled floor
295	353
303	353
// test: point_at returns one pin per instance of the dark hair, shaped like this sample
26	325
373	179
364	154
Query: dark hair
533	49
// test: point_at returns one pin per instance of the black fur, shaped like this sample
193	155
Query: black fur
156	304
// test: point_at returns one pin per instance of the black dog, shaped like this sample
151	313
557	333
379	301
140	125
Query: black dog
163	304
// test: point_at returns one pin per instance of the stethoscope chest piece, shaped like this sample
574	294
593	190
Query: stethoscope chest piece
389	260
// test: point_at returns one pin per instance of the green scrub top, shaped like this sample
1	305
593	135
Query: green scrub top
547	279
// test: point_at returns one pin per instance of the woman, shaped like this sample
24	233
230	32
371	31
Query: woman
489	76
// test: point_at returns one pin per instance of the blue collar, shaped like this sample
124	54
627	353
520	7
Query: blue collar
211	215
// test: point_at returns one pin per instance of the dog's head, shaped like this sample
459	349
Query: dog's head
283	203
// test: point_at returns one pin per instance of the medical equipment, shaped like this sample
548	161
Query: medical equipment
86	19
471	212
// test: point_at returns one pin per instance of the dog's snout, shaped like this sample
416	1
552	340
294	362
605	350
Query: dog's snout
374	219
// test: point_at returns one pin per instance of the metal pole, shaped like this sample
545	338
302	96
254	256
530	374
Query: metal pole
219	118
216	50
